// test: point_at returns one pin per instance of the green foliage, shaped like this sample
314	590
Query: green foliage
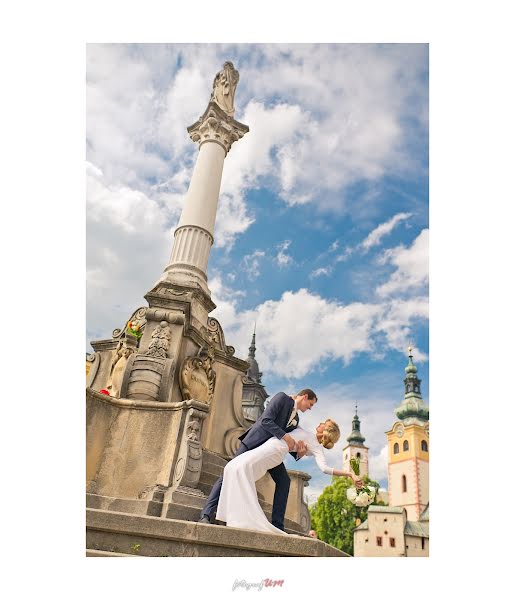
333	517
135	548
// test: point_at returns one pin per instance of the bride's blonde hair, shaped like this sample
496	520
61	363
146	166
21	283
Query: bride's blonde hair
331	434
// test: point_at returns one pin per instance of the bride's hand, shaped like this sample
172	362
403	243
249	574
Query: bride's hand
301	449
358	482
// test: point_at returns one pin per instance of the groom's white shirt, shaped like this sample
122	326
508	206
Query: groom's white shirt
292	416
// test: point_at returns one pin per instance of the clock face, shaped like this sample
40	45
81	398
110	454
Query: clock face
399	430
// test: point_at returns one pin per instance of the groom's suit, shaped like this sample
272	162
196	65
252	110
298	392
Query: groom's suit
272	423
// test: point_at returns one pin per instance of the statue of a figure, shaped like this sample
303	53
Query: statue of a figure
224	88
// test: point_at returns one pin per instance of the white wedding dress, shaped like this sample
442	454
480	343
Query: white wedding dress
238	504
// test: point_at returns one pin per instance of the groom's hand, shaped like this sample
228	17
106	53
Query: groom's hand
290	441
301	449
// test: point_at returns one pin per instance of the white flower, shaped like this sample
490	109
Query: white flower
362	499
352	494
372	492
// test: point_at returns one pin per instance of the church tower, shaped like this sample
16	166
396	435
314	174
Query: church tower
356	447
254	393
408	449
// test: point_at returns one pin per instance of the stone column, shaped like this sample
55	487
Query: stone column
215	131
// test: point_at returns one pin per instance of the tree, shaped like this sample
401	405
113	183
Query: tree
333	517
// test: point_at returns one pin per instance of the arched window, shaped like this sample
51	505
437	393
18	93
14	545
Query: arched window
405	446
404	484
396	448
346	456
424	445
358	454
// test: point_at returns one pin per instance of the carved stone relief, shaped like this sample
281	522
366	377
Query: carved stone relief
125	348
158	347
197	381
189	459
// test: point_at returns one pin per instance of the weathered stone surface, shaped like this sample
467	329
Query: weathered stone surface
103	553
150	536
124	505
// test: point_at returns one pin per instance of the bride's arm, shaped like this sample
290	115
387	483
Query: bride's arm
318	453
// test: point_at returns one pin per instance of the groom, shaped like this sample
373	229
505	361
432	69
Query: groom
278	419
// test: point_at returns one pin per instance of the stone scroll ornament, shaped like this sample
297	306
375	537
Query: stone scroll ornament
198	377
224	88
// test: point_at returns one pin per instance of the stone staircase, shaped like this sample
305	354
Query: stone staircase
116	534
183	506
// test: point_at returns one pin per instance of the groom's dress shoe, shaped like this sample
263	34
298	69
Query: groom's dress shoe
205	519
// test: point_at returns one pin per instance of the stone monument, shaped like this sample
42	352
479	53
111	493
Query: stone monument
164	394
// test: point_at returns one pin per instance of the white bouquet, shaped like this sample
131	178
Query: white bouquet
363	496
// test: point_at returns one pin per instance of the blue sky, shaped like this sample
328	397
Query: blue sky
322	228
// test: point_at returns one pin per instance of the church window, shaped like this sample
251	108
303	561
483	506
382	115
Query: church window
404	484
405	446
346	456
358	454
396	448
422	543
379	541
392	542
424	445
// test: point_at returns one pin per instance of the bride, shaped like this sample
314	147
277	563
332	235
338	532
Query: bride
238	505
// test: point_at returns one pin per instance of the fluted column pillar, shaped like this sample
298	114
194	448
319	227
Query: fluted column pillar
215	132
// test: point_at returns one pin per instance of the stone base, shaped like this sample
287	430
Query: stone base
111	533
124	505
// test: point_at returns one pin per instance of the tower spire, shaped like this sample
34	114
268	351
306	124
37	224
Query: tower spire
253	370
252	347
356	438
413	407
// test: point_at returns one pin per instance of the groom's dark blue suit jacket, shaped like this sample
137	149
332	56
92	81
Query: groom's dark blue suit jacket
272	423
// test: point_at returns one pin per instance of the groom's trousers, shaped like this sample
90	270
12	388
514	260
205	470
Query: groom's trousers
282	489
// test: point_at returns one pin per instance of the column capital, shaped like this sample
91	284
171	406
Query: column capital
217	126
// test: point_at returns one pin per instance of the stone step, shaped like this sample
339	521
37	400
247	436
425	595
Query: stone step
208	477
104	553
184	497
108	531
125	505
213	459
205	487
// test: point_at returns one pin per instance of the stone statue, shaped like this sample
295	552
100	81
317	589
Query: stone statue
224	88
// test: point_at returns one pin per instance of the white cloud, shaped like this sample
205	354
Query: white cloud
321	117
374	237
378	463
283	259
251	264
302	329
126	234
412	266
321	271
